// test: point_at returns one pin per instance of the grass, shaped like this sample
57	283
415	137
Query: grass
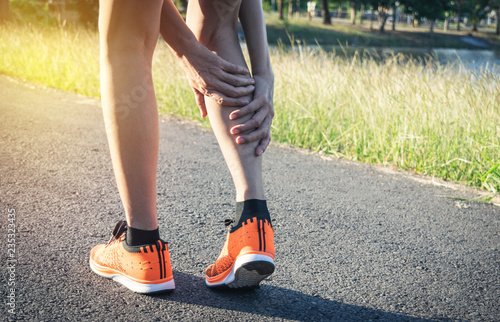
340	32
439	120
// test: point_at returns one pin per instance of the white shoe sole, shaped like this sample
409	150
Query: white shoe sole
247	272
133	285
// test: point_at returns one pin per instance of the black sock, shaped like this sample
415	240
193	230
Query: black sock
137	237
251	208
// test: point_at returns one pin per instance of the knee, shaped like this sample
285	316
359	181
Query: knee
126	28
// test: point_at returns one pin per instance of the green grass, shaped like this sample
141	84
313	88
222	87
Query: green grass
439	120
312	32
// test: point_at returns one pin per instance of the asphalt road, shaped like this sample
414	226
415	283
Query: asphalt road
353	241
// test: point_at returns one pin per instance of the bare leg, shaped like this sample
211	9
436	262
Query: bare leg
245	167
128	34
215	27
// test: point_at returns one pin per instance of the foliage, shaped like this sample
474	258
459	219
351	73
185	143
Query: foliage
31	11
431	10
89	11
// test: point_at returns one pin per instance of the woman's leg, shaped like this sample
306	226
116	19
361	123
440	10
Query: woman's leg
215	27
136	256
248	253
129	32
245	167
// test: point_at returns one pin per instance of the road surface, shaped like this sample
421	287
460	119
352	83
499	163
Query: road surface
353	241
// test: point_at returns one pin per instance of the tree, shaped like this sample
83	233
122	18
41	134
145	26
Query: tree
362	11
479	11
89	11
183	5
431	10
446	20
4	10
382	6
353	12
394	11
280	9
459	5
290	9
495	5
372	17
327	20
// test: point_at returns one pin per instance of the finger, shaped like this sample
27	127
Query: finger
248	109
234	69
252	136
264	143
228	101
200	101
253	123
212	82
236	79
256	135
215	85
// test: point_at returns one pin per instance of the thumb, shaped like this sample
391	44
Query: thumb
200	101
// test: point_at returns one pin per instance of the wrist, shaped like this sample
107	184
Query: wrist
185	47
266	74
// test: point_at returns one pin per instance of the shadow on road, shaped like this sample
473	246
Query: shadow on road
272	301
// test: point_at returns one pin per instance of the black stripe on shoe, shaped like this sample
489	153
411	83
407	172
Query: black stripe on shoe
259	228
160	257
163	248
263	236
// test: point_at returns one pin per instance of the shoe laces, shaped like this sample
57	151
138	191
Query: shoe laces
120	228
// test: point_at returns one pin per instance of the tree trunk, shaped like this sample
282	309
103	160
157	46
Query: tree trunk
395	9
372	17
432	26
327	20
4	10
353	12
474	25
382	18
297	8
184	5
362	11
290	9
413	19
339	12
446	21
459	13
280	9
498	22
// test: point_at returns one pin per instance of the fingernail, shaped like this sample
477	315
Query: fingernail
236	131
232	116
239	140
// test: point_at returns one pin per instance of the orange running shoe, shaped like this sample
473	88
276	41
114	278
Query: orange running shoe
247	257
142	269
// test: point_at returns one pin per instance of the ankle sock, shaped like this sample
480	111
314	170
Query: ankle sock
137	237
251	208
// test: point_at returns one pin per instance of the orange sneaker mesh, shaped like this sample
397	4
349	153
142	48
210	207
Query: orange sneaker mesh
255	236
